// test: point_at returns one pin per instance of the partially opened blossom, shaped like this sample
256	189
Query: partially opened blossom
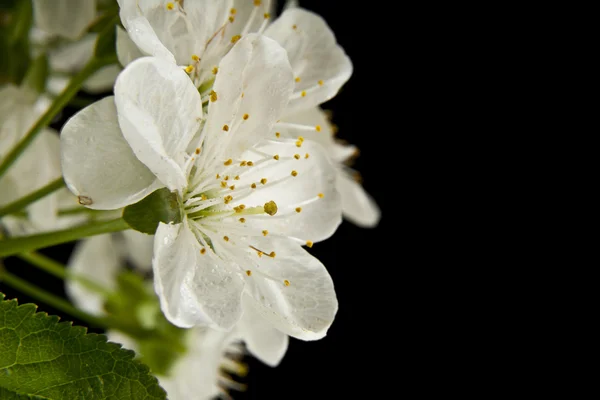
357	205
197	35
66	18
197	372
249	201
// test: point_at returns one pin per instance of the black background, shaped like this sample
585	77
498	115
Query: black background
363	345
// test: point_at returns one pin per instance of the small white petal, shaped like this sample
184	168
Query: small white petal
263	340
357	205
253	87
94	259
315	56
72	56
144	36
127	50
97	161
159	112
67	18
193	288
318	217
293	290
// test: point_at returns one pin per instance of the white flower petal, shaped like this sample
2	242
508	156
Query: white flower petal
138	249
67	18
316	58
127	50
253	87
263	341
94	259
250	17
72	56
103	80
143	35
319	216
357	205
97	161
293	290
159	112
196	374
193	288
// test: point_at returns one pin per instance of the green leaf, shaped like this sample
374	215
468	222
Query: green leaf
37	73
41	358
161	206
107	40
21	21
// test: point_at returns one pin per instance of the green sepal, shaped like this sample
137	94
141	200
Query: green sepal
160	206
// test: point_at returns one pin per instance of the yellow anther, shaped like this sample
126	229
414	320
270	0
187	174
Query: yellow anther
276	156
318	128
202	250
309	243
321	83
223	184
242	220
298	209
242	95
257	3
232	187
265	233
253	186
227	199
198	150
217	176
294	26
294	173
189	68
225	238
270	208
272	254
203	196
249	273
297	79
277	134
241	206
235	38
195	57
232	11
303	93
225	127
237	178
286	282
226	177
215	70
297	156
243	164
170	6
246	116
213	96
228	162
263	181
306	155
260	253
250	163
300	138
231	18
267	15
298	143
321	195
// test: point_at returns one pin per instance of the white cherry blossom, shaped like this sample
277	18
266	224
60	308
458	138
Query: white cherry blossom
197	34
249	201
66	18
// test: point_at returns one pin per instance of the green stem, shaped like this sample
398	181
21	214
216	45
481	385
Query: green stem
49	298
57	105
60	271
32	197
13	246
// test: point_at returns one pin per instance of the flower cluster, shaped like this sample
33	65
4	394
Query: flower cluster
217	102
